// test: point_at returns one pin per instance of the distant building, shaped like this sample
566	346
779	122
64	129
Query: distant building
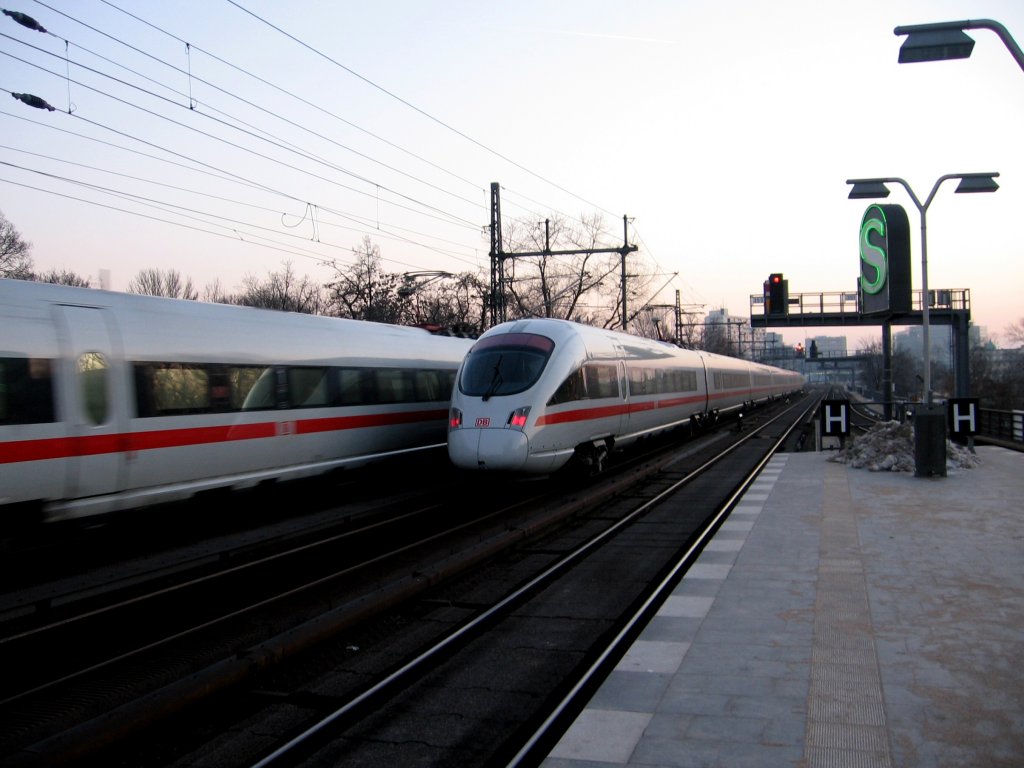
826	346
940	340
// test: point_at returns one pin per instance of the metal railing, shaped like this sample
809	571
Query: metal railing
846	303
1001	425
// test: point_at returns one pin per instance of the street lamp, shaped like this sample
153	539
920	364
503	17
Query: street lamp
875	188
411	281
946	40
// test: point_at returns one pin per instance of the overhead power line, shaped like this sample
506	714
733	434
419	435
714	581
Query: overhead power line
240	147
247	102
413	107
277	88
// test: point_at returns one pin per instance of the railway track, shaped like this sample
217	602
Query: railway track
249	661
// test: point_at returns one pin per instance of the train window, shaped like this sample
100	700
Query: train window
263	393
642	381
393	386
26	391
587	383
570	390
448	383
505	365
677	380
370	386
241	381
308	387
428	387
730	380
92	377
179	388
601	381
353	386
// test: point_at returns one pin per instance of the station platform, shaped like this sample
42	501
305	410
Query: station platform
839	617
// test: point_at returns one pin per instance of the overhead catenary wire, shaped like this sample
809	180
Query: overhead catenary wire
192	105
254	152
291	94
189	47
232	233
278	88
413	107
234	236
232	178
281	144
164	205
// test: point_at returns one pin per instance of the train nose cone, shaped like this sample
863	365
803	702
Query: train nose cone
499	449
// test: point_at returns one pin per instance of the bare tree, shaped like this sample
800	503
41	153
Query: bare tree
215	294
1015	332
15	259
715	338
284	291
63	277
160	282
584	286
872	367
452	302
552	285
363	291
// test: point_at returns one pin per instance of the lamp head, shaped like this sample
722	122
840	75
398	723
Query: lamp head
867	189
977	182
936	45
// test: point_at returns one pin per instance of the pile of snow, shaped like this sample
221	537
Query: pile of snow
889	447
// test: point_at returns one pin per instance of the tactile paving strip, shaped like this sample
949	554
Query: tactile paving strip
846	713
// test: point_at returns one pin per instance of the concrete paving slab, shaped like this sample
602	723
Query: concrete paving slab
841	617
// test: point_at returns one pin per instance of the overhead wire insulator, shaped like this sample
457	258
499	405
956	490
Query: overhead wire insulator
33	101
25	20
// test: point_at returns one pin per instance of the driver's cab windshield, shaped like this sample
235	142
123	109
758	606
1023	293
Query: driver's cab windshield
505	364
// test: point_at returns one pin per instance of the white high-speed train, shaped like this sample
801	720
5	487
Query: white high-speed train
533	394
112	401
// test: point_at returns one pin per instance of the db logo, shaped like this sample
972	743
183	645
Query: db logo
483	421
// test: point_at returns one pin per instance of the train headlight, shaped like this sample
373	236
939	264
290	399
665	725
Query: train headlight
454	419
517	419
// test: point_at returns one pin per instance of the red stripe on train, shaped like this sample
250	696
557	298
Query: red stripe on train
93	445
585	414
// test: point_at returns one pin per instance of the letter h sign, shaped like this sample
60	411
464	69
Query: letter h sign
835	418
962	416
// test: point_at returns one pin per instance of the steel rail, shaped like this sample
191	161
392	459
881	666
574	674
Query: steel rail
476	624
660	593
240	611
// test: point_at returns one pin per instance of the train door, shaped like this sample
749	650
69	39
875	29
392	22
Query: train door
90	395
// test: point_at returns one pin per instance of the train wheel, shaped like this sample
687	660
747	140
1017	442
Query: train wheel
591	458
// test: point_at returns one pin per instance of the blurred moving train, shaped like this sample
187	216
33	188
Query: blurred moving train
533	394
112	401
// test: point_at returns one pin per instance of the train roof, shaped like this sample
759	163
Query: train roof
152	325
562	331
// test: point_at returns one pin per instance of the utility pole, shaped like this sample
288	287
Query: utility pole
499	313
497	295
622	257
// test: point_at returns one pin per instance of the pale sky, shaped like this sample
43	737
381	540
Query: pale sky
724	130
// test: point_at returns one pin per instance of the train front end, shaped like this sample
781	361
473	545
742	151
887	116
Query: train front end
490	417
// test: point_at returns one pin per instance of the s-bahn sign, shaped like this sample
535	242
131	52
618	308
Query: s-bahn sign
884	283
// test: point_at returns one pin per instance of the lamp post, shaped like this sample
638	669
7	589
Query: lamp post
413	281
946	40
875	188
929	421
